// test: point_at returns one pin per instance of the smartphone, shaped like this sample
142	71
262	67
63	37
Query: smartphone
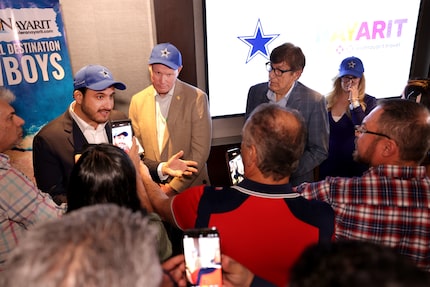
122	134
202	257
235	165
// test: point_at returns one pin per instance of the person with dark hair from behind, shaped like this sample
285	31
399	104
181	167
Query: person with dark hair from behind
418	90
285	68
347	105
104	245
355	264
261	222
390	203
105	173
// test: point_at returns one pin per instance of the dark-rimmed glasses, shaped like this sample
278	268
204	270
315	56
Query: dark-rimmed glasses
360	129
278	72
347	79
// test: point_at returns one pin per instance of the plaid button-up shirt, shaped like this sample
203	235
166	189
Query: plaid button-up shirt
21	205
388	204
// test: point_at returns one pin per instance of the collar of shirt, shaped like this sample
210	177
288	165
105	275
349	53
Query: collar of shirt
269	189
397	171
4	161
164	102
282	102
169	93
92	135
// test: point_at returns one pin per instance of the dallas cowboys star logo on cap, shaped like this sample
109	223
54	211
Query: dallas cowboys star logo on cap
165	53
351	65
104	73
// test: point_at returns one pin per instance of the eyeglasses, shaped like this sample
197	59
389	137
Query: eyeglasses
359	130
278	72
346	79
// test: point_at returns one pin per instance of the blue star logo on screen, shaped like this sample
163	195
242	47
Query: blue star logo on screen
258	43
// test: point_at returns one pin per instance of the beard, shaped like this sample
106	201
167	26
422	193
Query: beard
356	156
364	156
99	116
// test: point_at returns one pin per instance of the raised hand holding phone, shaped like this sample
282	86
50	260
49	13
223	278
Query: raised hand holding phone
202	257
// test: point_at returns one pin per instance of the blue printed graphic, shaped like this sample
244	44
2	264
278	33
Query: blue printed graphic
258	43
34	62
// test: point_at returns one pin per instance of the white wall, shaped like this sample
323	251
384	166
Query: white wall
115	34
120	36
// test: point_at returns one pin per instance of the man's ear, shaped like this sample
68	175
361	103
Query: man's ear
252	154
390	148
78	96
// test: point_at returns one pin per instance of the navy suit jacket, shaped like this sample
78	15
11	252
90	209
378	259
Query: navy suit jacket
312	106
54	149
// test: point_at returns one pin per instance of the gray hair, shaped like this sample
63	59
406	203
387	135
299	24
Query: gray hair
7	95
100	245
278	134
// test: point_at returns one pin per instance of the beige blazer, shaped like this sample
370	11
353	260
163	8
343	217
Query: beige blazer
189	128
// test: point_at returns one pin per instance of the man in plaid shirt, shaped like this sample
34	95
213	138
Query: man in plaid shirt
390	203
21	203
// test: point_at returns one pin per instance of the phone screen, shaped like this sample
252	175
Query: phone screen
235	165
122	134
202	257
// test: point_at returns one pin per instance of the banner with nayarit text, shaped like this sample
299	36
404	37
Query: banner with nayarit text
35	66
34	62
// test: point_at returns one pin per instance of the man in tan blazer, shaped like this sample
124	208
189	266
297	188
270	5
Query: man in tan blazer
171	116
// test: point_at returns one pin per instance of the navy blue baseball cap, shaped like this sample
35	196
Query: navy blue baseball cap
124	133
166	54
97	78
351	66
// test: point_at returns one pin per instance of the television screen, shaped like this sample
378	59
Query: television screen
240	34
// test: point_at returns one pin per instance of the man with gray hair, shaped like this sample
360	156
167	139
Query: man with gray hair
100	245
21	203
262	223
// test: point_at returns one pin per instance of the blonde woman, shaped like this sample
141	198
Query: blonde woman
347	105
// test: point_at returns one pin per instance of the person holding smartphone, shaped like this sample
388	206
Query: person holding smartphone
262	223
86	121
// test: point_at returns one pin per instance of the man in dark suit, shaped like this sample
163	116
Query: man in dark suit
86	121
285	68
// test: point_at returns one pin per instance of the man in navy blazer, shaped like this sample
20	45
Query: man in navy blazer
86	121
283	88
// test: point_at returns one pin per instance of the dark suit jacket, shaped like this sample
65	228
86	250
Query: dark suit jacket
312	106
54	149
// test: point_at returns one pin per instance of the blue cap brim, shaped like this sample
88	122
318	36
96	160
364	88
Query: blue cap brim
100	86
165	63
350	73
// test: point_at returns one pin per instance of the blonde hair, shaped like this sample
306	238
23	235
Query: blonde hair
337	91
